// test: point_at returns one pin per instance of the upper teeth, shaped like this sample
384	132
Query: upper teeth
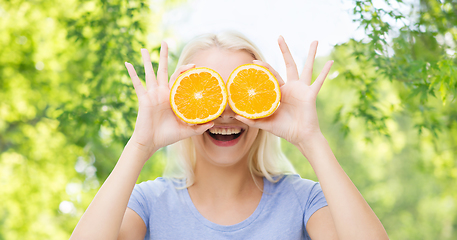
225	131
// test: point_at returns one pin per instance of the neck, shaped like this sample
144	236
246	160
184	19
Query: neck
227	182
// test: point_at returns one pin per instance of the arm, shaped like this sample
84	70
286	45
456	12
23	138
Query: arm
320	225
352	216
156	126
296	121
133	227
103	217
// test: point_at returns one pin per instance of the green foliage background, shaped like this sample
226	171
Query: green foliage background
67	108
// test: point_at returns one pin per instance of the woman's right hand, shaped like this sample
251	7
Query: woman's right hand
156	125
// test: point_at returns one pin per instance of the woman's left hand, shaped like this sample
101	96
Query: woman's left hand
296	118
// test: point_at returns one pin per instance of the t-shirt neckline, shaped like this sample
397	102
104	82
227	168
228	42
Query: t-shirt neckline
234	227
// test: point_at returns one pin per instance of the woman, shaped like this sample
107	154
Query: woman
243	190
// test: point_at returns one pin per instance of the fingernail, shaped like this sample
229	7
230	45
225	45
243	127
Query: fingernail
256	61
212	124
191	64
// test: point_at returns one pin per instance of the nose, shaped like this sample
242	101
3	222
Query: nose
228	113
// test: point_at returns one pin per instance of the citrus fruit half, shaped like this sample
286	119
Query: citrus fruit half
253	91
198	95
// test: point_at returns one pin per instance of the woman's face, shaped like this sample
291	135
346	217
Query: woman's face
233	145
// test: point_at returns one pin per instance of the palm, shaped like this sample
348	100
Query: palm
156	125
158	114
296	117
296	106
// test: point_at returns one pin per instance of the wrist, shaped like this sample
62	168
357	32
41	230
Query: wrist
312	143
309	138
143	151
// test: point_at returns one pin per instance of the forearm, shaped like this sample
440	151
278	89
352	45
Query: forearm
103	217
353	217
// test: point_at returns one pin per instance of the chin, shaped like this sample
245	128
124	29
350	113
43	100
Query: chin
225	161
225	156
225	149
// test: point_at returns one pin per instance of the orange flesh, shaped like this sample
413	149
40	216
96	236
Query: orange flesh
198	96
254	81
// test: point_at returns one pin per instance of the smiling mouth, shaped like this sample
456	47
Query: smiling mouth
225	137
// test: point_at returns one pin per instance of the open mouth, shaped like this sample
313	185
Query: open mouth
225	134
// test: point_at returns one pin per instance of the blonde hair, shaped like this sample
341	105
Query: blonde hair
265	157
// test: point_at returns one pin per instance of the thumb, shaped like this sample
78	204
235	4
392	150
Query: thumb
201	128
257	123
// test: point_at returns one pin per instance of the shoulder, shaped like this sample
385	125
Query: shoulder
304	190
295	182
154	189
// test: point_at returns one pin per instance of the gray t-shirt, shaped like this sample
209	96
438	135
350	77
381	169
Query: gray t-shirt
282	213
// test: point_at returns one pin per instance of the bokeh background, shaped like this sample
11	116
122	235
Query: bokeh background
388	107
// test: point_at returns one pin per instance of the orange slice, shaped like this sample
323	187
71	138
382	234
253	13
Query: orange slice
198	95
253	91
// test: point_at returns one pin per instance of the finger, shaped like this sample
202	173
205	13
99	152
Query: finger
291	67
178	72
321	78
276	74
307	73
162	72
256	123
150	76
139	89
201	128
